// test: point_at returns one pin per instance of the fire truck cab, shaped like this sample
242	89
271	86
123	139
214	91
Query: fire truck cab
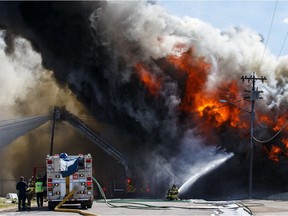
66	173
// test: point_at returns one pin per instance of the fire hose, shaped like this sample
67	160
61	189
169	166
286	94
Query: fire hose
58	207
138	205
129	205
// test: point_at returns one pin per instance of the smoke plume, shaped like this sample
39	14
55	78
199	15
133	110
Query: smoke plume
157	79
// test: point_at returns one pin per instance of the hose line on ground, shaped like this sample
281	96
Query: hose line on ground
131	205
136	205
58	207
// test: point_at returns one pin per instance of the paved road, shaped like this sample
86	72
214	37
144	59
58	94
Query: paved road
160	208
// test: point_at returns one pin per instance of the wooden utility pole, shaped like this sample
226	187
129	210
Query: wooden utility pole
254	95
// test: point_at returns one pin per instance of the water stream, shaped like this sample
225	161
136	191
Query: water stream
11	129
202	169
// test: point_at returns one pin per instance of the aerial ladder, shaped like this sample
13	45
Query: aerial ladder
61	114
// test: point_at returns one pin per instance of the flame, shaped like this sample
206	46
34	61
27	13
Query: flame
276	151
149	80
196	72
203	102
269	121
282	147
265	118
221	113
280	122
196	97
285	141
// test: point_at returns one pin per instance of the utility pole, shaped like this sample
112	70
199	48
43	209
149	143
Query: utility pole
254	95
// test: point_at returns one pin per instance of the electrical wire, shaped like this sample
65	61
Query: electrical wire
259	123
152	120
273	137
282	46
270	28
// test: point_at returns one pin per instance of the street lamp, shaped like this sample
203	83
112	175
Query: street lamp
252	113
233	103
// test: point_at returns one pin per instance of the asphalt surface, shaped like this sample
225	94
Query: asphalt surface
141	207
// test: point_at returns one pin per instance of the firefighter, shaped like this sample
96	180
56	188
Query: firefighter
31	183
21	186
30	191
29	196
172	193
39	190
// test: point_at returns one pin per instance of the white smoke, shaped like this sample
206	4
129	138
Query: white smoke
231	52
27	90
148	25
18	72
24	81
145	32
141	31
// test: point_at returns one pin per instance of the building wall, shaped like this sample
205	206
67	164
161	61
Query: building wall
7	186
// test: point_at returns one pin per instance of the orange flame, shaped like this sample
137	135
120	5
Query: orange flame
280	122
285	141
151	82
265	118
281	148
196	71
274	153
197	99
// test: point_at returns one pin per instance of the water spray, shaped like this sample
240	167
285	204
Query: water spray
204	169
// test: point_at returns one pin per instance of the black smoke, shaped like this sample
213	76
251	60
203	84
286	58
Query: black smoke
80	57
92	47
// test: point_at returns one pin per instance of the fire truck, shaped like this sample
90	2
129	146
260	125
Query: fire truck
66	173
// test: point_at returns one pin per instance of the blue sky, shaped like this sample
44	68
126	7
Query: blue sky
256	15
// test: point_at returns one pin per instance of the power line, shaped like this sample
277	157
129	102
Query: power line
270	28
280	51
268	140
282	46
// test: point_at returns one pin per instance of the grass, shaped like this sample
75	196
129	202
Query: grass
6	203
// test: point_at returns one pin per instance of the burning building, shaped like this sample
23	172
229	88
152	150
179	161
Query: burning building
158	80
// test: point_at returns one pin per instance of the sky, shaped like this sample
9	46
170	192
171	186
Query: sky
268	18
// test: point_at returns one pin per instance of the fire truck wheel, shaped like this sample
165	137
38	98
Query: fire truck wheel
52	205
89	204
85	205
